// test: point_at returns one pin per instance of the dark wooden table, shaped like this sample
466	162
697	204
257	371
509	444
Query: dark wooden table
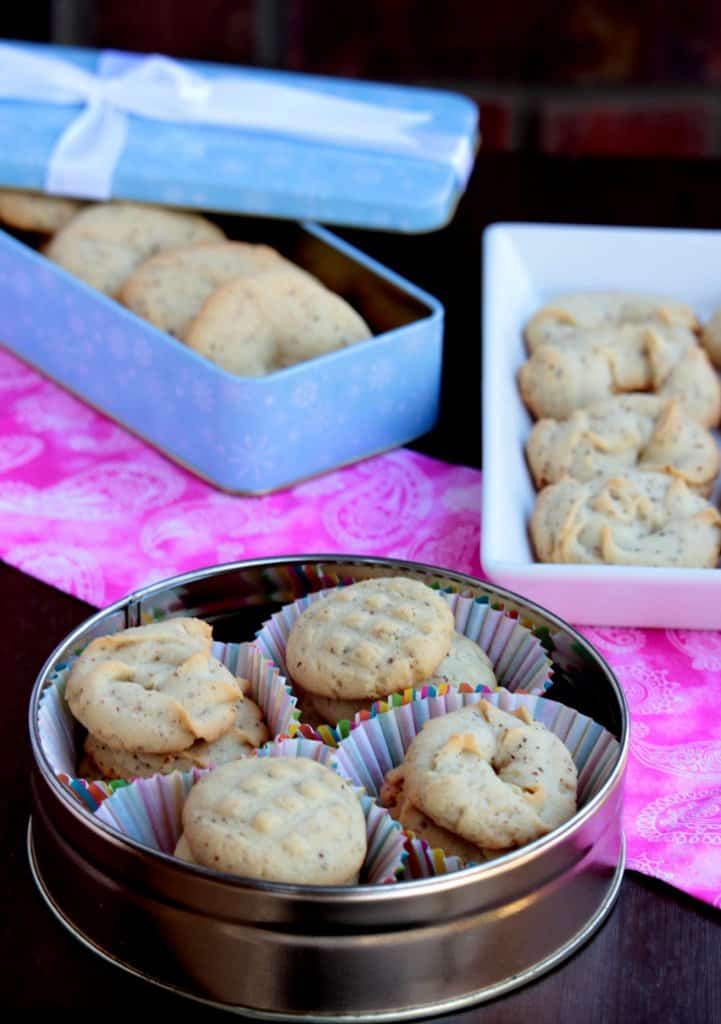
657	957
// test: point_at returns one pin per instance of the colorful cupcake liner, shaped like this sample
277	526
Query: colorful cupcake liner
517	654
59	732
378	743
149	811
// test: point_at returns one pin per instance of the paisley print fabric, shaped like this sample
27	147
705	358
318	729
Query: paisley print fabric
90	509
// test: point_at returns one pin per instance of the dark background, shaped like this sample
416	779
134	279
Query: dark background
585	77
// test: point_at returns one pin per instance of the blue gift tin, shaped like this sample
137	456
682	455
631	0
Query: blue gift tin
244	435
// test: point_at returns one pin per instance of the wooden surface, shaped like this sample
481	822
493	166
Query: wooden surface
656	958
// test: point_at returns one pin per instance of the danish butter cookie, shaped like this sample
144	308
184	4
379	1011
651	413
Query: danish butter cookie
169	289
638	519
625	432
247	734
584	368
154	689
495	779
104	243
182	850
695	385
279	819
465	662
253	326
35	211
370	639
395	799
585	311
711	338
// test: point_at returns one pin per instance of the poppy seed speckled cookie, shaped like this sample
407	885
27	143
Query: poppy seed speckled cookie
465	662
35	211
370	639
635	431
393	796
247	734
155	689
584	311
104	243
711	338
169	289
253	326
498	780
635	519
587	367
281	819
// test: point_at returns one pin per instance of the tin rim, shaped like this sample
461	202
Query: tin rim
341	894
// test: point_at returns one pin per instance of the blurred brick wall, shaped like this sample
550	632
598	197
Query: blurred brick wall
612	77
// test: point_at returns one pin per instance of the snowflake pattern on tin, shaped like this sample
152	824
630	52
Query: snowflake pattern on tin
254	454
305	394
381	375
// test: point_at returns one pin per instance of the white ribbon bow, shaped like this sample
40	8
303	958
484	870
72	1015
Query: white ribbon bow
84	158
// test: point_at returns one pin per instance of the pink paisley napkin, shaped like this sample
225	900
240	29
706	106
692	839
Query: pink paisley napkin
90	509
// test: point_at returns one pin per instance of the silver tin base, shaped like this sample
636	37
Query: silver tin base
481	995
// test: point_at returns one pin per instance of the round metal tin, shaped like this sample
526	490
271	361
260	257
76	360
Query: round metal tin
355	953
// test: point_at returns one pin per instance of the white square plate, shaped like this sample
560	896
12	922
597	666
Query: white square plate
525	265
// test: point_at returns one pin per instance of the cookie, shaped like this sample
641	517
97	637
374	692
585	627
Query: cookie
370	639
497	780
695	385
182	850
247	734
636	519
711	338
35	211
465	662
589	311
278	819
253	326
155	689
169	289
571	374
104	243
395	799
636	431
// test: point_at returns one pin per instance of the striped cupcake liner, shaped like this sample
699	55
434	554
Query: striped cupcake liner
516	652
60	734
149	812
377	743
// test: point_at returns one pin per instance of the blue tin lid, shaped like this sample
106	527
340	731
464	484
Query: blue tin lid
105	124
